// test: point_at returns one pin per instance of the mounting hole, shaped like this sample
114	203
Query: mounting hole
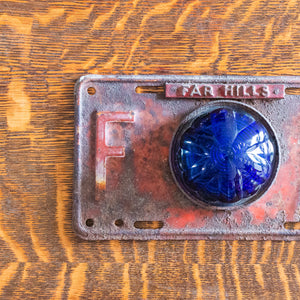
292	225
91	90
148	224
293	91
89	222
119	222
149	89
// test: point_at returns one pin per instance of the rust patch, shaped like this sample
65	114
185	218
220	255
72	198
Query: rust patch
188	217
152	152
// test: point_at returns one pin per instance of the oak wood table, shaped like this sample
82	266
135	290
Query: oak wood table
45	46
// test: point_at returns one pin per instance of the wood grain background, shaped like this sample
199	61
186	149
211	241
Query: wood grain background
44	47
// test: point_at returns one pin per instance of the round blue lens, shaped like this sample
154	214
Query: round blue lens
224	156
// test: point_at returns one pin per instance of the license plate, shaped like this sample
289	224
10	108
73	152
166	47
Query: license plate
134	164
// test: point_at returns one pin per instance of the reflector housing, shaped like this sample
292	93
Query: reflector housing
225	155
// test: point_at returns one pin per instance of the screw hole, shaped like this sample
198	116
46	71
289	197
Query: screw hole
89	222
119	222
91	90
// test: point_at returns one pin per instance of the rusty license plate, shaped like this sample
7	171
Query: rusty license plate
133	179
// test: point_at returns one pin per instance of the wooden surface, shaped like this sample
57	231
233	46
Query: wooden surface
44	47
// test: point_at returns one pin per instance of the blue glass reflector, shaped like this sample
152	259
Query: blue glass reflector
224	156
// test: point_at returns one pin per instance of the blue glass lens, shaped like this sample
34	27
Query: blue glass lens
223	156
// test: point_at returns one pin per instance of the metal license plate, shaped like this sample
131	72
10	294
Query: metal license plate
187	157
